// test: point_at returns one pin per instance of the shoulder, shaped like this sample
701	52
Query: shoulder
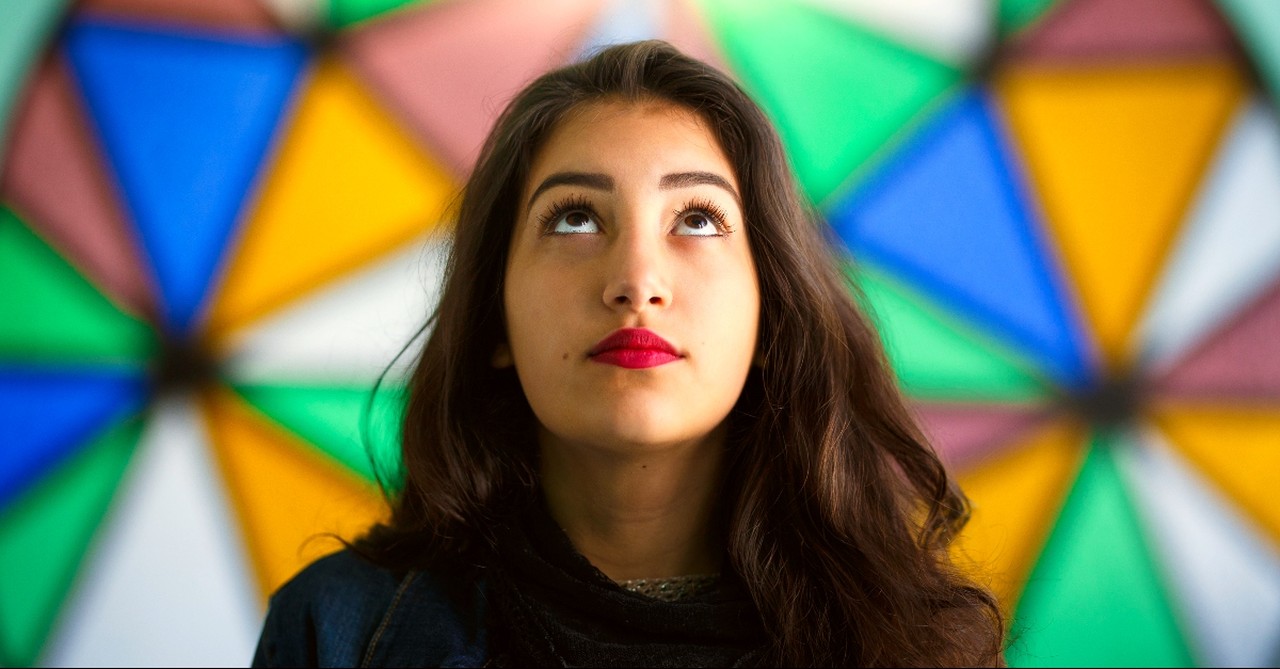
341	580
325	615
343	610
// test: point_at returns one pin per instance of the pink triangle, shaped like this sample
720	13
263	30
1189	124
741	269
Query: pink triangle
966	434
55	178
243	15
449	68
688	30
1242	360
1124	29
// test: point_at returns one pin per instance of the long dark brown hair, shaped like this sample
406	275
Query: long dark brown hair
839	514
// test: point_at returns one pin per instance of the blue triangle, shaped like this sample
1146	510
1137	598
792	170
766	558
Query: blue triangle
624	21
947	215
46	415
185	120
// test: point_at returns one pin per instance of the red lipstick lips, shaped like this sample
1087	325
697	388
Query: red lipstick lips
633	348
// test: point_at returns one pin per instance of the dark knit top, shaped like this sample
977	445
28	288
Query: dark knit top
534	601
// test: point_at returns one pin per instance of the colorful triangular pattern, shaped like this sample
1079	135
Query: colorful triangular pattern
47	415
213	102
837	91
967	242
1114	154
938	358
341	159
53	315
1097	580
45	535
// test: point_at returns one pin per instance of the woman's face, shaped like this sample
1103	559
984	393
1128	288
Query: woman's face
631	297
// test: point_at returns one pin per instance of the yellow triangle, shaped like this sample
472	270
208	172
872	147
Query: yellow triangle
346	185
1238	448
290	500
1116	156
1015	499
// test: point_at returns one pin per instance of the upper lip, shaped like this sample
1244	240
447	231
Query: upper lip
637	338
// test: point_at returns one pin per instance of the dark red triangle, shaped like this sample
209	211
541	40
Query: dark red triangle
966	434
1239	361
1126	30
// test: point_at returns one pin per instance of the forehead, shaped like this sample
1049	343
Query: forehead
630	139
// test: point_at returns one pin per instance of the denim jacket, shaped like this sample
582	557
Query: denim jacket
342	611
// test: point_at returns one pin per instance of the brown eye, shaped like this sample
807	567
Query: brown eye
576	222
696	221
700	218
696	224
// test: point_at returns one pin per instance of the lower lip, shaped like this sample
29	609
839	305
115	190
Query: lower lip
634	358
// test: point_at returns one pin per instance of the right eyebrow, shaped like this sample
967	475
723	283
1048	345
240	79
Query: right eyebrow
593	180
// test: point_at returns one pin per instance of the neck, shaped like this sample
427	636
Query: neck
637	515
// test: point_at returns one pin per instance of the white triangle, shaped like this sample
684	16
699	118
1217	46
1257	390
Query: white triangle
1230	250
301	17
350	331
956	31
625	21
168	583
1226	576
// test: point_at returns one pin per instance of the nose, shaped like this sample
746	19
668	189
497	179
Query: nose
637	274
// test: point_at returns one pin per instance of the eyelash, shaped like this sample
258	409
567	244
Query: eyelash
561	207
579	203
714	212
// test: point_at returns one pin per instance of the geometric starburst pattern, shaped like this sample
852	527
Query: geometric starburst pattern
220	222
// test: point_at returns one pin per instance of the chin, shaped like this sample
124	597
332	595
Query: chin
636	430
633	421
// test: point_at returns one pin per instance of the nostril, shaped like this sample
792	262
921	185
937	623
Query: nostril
655	300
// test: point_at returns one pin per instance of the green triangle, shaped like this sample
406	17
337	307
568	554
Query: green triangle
1095	598
338	422
26	26
343	13
1258	22
48	312
44	535
938	358
1014	15
838	92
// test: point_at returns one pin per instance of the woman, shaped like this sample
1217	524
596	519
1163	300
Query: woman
650	425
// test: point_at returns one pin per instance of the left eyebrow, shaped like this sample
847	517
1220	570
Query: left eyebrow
687	179
591	180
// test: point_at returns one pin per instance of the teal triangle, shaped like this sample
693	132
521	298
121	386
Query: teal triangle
45	534
838	92
345	13
185	119
935	357
356	428
1014	16
23	31
49	313
1258	22
1096	597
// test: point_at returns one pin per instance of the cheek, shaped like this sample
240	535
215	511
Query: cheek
538	301
724	288
724	307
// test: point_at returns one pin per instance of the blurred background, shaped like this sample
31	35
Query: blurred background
221	220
